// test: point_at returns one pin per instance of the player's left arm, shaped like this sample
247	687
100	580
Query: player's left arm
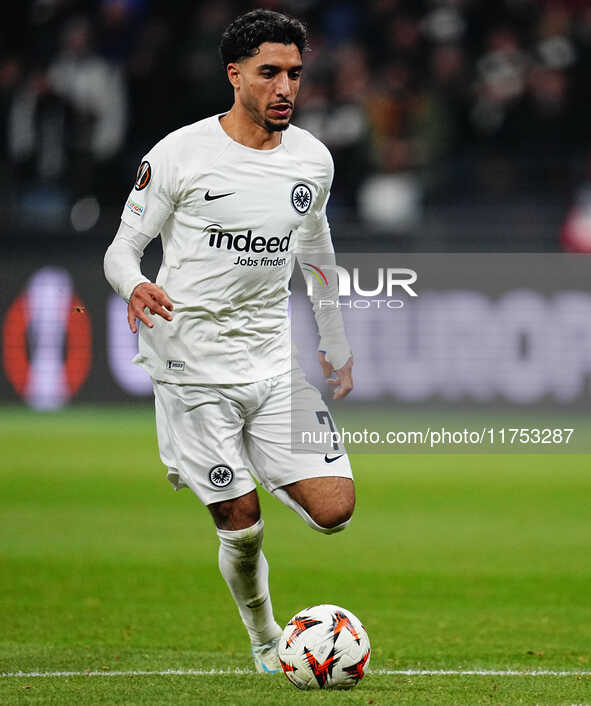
315	249
341	379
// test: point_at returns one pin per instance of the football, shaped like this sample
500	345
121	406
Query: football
324	647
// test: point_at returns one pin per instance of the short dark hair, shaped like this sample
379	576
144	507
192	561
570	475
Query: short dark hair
246	33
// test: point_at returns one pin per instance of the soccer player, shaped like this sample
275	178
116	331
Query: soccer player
234	198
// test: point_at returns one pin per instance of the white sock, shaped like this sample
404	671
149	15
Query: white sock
246	571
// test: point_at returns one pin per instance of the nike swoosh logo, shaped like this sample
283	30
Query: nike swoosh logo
209	197
334	458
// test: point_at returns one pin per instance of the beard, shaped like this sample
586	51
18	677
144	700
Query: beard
275	127
260	117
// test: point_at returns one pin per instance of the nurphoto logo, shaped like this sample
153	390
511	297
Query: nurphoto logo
387	280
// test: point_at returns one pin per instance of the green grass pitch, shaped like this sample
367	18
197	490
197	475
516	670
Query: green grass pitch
453	562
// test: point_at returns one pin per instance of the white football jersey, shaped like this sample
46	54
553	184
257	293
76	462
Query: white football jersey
231	218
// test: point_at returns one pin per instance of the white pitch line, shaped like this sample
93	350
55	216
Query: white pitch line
134	673
481	672
233	672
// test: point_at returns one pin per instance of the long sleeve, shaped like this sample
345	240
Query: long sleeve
324	298
122	260
315	250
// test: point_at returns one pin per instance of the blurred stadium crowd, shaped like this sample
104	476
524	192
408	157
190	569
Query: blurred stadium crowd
454	121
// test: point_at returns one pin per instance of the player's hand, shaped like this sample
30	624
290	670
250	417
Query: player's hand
343	377
148	296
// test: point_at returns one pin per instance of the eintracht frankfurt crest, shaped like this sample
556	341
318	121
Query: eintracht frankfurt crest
301	198
221	476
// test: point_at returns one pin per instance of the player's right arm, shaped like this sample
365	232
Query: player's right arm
122	270
150	204
148	296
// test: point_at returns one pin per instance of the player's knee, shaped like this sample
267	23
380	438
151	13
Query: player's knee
236	514
332	529
332	520
326	512
334	515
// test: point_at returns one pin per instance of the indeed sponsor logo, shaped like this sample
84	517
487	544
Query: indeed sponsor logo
246	242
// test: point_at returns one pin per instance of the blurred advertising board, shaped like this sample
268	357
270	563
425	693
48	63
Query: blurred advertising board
477	328
64	333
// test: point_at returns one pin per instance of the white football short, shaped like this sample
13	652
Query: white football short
215	439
